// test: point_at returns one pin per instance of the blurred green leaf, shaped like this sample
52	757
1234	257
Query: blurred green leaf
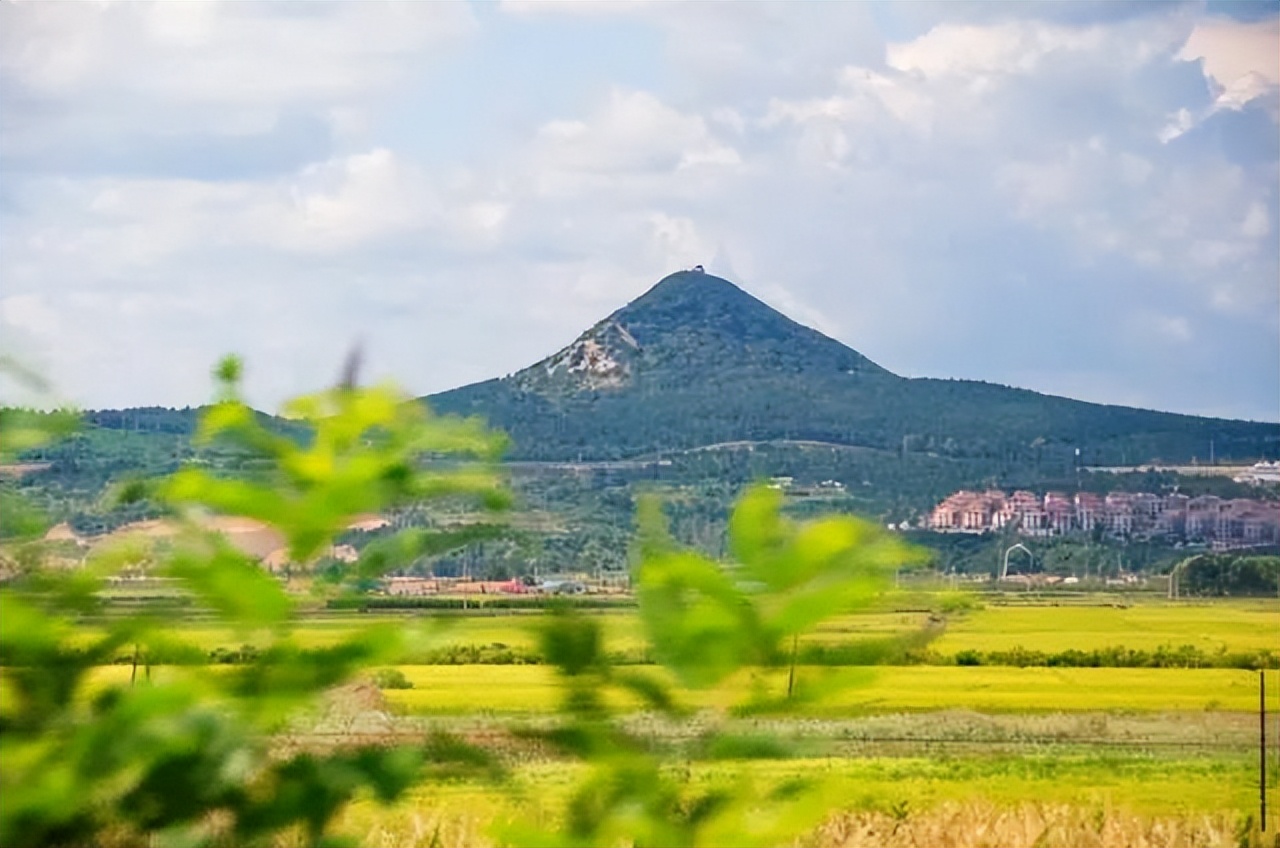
707	620
572	643
19	520
148	762
229	582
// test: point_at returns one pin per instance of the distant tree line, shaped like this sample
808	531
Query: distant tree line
1221	574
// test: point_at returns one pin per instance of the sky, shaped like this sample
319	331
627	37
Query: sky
1077	198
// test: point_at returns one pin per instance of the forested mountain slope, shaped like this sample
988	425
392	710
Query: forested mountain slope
697	361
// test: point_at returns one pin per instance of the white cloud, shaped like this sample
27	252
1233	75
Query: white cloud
122	226
744	52
1233	51
863	96
1256	224
1166	329
633	132
220	53
1008	48
343	203
1193	222
162	70
1241	64
1179	123
30	313
676	241
1182	216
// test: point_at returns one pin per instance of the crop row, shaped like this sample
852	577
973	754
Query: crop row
868	653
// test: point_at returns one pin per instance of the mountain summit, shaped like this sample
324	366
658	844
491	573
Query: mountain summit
696	361
690	325
715	318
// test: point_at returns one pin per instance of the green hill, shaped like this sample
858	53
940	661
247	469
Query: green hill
696	361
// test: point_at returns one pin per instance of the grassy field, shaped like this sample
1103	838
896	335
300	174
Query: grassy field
515	629
1242	625
1220	625
526	690
622	629
1097	800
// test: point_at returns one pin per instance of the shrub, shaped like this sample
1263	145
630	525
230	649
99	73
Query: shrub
391	678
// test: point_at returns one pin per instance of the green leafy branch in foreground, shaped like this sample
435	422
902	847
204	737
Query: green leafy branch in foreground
707	623
188	759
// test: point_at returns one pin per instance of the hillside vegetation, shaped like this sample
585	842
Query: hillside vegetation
697	361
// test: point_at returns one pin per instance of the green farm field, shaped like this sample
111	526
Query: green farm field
531	690
622	630
1228	625
892	800
1241	625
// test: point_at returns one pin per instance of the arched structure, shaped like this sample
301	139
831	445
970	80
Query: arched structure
1004	569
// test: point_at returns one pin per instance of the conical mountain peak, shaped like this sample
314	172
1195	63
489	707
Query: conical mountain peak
697	362
690	327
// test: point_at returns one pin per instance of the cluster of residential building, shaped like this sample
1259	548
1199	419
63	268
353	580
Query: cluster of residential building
1239	522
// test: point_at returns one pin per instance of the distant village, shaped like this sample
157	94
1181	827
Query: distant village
1222	524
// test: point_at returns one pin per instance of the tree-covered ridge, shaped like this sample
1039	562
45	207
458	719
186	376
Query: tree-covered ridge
696	361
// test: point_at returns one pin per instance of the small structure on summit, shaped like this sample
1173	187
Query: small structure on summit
698	269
